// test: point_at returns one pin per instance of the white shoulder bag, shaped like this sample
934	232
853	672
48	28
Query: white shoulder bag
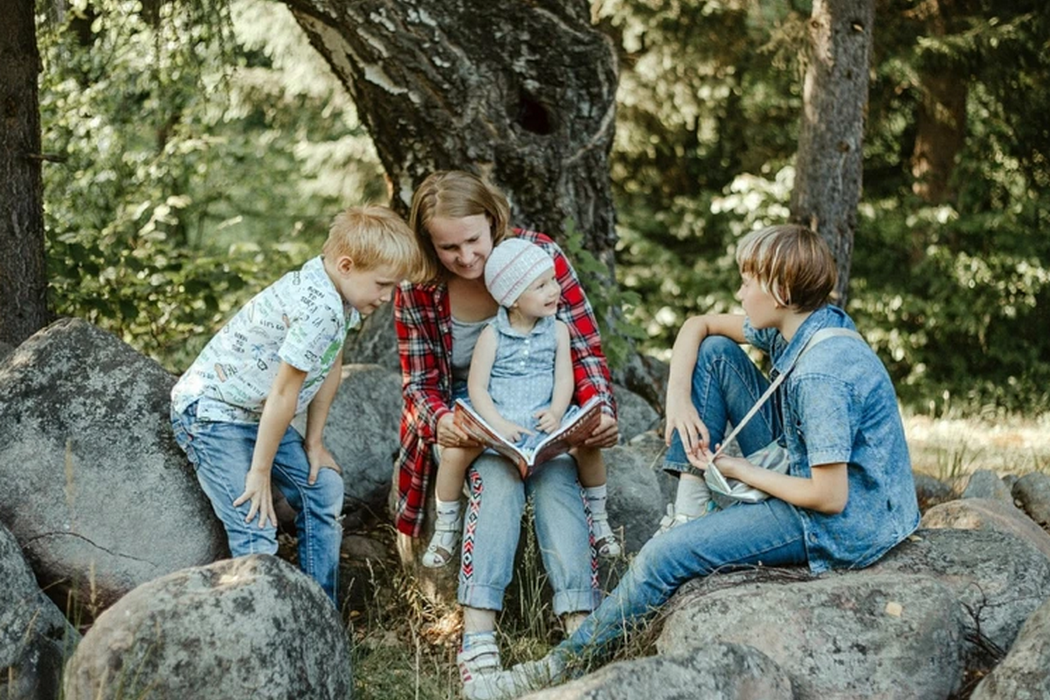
774	456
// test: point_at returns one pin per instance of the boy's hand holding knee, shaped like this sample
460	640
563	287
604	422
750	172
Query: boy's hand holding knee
257	489
320	458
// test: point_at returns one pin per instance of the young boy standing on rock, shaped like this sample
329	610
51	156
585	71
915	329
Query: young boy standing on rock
279	355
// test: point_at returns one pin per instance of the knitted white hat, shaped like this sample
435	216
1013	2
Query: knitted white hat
512	266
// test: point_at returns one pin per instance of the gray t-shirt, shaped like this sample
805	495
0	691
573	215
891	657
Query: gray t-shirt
464	337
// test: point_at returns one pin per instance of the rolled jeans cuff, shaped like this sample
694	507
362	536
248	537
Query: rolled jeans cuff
579	600
481	597
676	468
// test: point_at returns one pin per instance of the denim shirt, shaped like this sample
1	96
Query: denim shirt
838	405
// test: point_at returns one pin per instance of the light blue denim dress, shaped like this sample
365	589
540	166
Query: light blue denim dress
522	378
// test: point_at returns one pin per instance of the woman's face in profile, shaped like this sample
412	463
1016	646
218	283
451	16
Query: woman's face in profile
462	245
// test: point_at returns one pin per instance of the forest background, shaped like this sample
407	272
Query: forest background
200	150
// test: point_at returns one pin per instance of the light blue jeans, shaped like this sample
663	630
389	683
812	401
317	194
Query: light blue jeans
221	454
726	384
492	526
768	533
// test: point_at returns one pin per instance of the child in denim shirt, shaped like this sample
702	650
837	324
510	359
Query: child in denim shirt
848	496
280	355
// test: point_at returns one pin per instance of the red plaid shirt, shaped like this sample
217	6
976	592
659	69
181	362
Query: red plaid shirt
423	319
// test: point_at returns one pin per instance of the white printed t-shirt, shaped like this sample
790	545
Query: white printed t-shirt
300	319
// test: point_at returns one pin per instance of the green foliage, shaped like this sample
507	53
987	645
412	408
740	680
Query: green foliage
201	163
609	301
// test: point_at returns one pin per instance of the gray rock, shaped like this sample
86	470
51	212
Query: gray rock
635	500
986	484
375	342
847	636
634	415
35	638
95	488
998	579
1033	492
5	350
987	514
716	671
931	491
252	627
1025	672
362	434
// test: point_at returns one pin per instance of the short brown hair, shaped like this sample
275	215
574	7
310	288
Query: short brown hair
454	194
790	262
374	236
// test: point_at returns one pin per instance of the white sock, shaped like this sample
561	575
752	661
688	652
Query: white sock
596	497
447	511
693	496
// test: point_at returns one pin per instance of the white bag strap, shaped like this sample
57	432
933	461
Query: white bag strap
820	336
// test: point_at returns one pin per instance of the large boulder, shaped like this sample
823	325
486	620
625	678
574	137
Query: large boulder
375	342
35	638
634	415
95	488
1025	672
1032	491
987	514
998	579
636	502
860	635
252	627
719	671
362	435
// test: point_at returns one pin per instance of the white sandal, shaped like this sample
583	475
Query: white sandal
442	547
605	541
673	520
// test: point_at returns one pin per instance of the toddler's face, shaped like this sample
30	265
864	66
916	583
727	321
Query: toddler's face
540	298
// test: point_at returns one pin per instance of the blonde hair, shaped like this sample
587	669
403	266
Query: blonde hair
793	264
373	237
454	194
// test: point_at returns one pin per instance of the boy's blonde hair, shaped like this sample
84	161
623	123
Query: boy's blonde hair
373	237
454	194
793	264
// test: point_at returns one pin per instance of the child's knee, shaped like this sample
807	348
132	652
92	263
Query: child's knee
327	491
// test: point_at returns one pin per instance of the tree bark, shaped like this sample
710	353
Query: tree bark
940	122
522	93
829	162
23	281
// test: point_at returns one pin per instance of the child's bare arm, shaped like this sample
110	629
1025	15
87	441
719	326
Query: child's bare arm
277	415
316	417
550	419
825	491
681	413
478	386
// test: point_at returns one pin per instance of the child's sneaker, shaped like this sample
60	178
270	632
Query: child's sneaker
533	675
443	543
673	520
479	668
604	538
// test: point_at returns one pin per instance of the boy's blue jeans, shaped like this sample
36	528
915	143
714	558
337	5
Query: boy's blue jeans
221	454
725	385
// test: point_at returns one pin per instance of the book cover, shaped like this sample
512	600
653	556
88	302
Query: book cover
570	434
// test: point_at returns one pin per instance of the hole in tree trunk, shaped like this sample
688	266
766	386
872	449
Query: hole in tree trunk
533	116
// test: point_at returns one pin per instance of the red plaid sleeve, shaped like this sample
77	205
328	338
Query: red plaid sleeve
424	341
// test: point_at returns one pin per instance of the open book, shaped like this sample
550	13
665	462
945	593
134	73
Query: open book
570	434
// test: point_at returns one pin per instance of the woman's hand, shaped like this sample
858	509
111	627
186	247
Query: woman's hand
683	417
451	435
606	434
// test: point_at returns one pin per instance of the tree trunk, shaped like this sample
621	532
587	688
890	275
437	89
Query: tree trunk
23	281
829	162
522	93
